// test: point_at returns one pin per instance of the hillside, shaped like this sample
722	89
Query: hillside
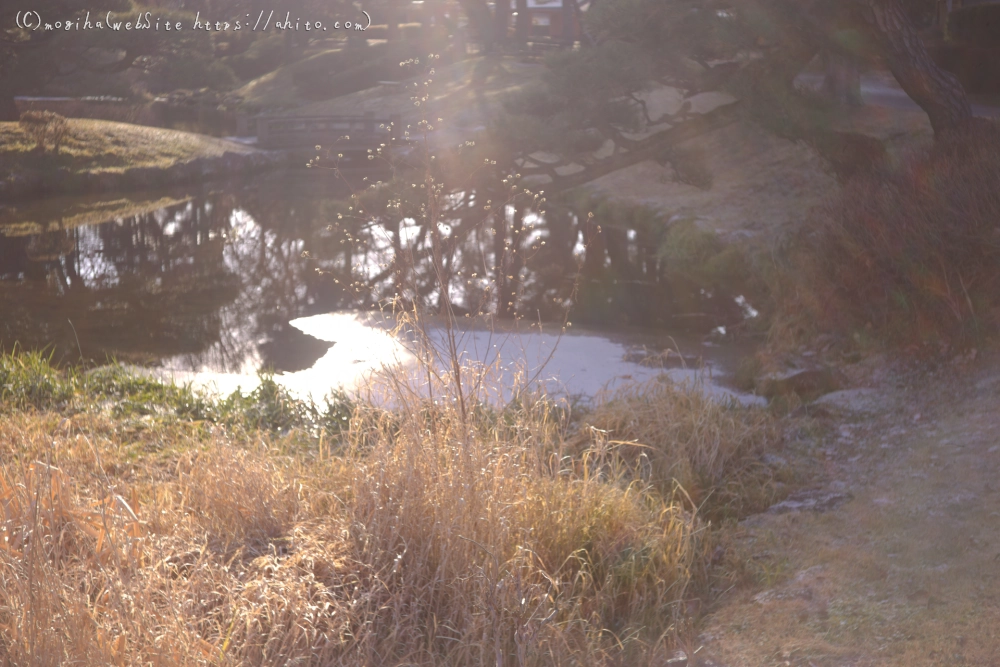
104	146
98	157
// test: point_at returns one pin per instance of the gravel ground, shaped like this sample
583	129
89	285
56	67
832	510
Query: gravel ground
902	569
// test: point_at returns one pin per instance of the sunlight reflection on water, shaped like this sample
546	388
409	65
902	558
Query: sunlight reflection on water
364	345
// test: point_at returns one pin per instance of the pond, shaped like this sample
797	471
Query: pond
216	283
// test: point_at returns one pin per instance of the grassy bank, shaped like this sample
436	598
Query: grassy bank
104	146
146	524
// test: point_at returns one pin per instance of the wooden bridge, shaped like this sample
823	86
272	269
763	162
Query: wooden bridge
337	133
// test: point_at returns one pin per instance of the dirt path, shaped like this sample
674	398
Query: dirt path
905	571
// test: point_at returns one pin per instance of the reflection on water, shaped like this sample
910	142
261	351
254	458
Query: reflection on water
211	282
496	358
500	356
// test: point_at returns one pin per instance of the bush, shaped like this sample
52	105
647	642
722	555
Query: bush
912	252
264	55
27	380
43	126
338	73
190	72
699	257
690	166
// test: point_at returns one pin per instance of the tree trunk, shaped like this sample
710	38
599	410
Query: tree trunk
937	91
481	21
586	35
569	21
433	15
501	22
522	25
842	82
500	260
392	21
512	266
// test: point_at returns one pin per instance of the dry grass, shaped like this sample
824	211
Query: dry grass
864	585
44	126
907	252
420	537
99	146
678	436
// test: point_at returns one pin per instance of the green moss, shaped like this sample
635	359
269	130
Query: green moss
689	248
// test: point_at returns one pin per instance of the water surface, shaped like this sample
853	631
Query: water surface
214	284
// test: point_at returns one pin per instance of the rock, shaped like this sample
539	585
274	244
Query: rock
988	383
807	383
679	659
231	162
850	400
774	461
817	500
653	358
709	662
702	103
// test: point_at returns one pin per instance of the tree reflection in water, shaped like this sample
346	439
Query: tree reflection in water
212	282
140	287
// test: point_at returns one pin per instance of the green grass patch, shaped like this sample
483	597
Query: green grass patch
28	381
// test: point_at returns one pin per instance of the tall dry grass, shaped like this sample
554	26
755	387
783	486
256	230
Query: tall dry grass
688	445
425	535
44	126
907	253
